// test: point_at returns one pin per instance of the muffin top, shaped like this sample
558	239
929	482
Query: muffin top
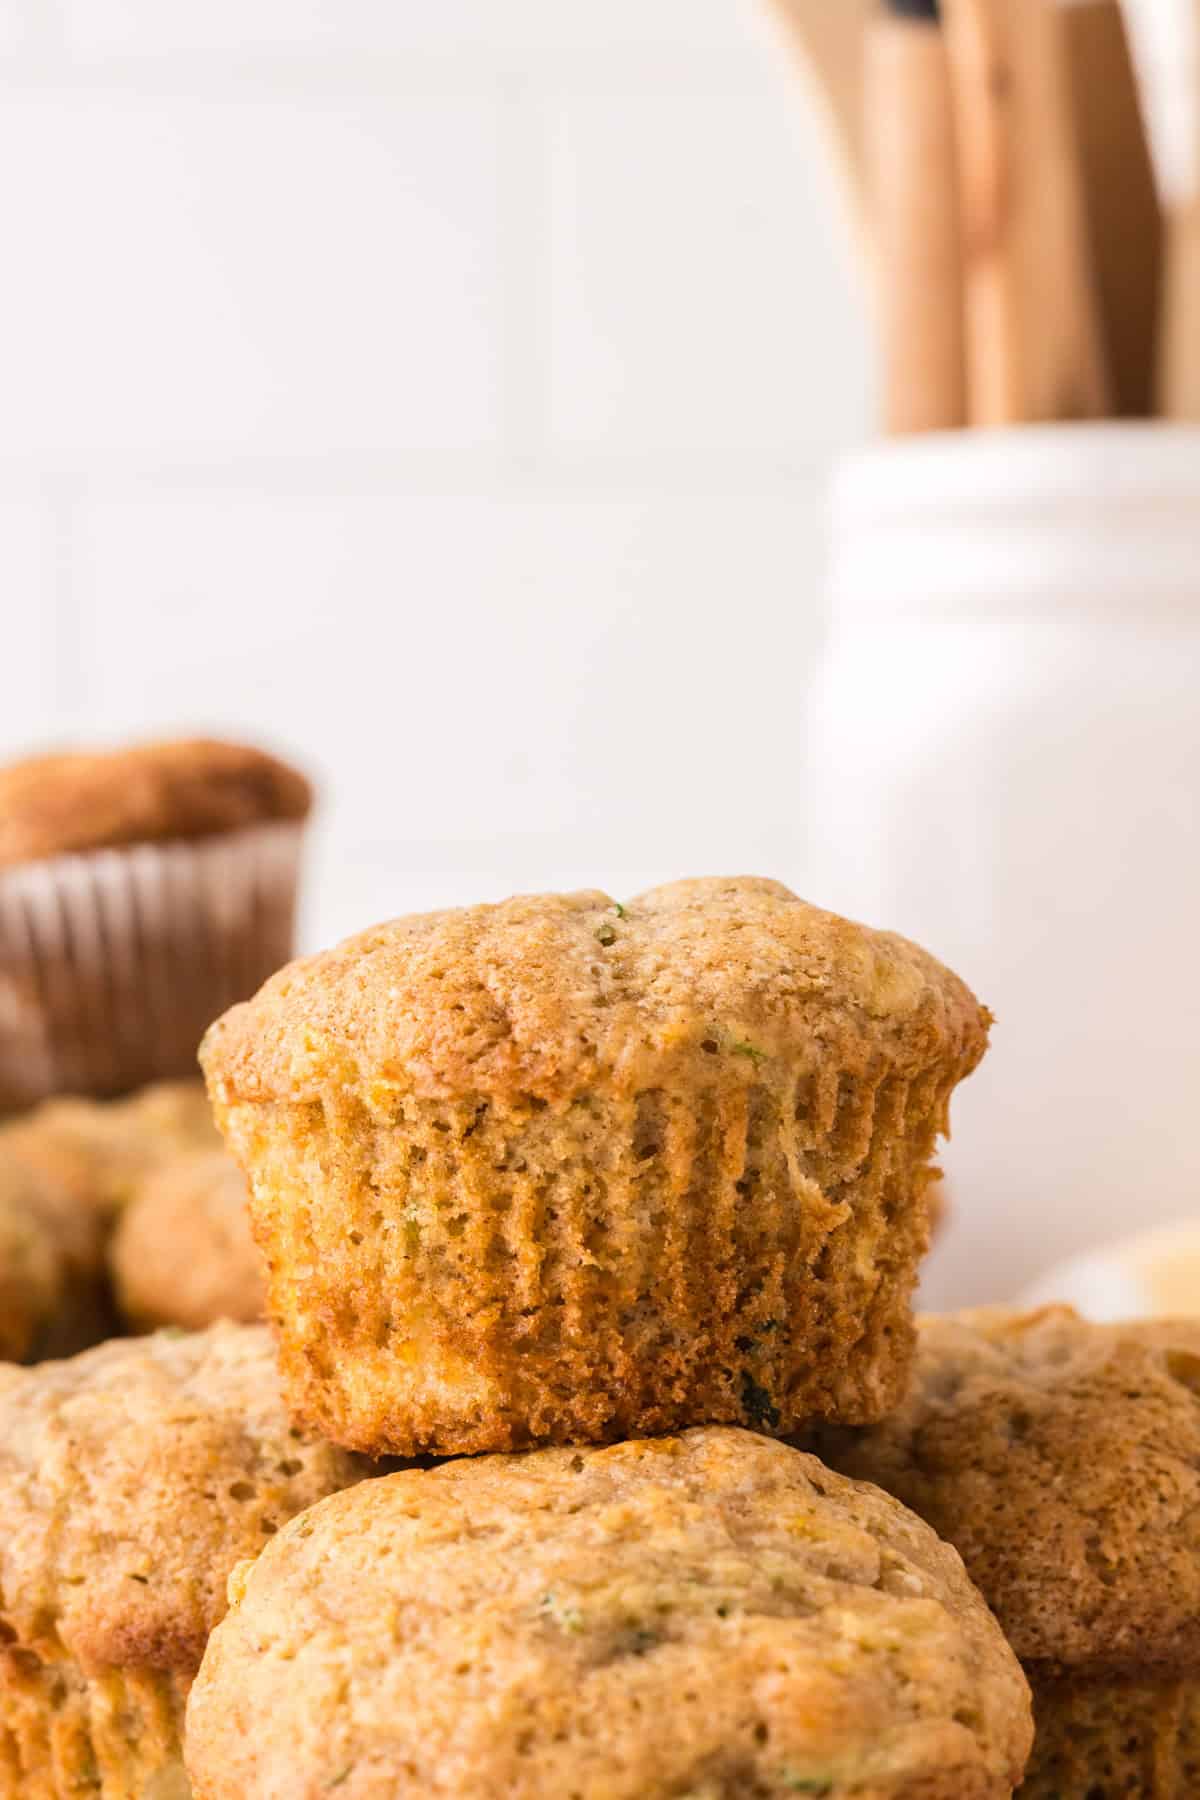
101	1150
132	1479
710	1615
545	995
1062	1459
95	800
183	1253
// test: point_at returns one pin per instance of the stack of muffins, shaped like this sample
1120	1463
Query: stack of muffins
604	1218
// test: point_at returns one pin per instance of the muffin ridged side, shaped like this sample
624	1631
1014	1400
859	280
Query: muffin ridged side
594	1270
118	1734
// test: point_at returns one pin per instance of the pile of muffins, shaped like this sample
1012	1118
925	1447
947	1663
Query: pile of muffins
592	1451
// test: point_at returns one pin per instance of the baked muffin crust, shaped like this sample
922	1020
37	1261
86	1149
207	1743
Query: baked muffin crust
709	1615
93	800
1062	1458
132	1478
182	1253
540	996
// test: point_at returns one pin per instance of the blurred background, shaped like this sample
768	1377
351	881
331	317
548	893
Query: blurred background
448	394
442	392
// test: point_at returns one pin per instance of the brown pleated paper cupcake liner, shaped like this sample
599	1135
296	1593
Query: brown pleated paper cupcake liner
114	963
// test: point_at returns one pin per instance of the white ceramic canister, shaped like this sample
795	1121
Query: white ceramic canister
1005	765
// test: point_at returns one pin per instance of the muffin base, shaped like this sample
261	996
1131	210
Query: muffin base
113	963
118	1736
466	1276
1102	1739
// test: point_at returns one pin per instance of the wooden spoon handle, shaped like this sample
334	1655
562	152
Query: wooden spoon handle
912	166
1034	346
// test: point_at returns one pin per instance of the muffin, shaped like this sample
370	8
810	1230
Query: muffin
711	1615
562	1170
141	891
132	1479
182	1253
1063	1461
102	1150
53	1291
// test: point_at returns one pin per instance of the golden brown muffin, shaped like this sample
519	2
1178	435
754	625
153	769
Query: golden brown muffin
94	800
141	892
53	1292
102	1151
132	1479
182	1253
562	1170
711	1615
1063	1460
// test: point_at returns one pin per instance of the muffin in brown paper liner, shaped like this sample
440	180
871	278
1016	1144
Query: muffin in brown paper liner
562	1170
174	896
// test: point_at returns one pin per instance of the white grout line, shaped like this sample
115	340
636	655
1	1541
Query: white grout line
326	72
516	476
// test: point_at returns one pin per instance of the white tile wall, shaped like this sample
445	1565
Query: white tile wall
252	273
12	28
149	27
497	688
699	297
444	392
28	581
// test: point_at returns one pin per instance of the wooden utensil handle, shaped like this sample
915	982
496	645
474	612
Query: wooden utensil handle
1034	350
1121	205
911	163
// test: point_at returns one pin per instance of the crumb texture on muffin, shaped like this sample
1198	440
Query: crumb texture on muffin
132	1478
711	1615
565	1170
1111	1739
1062	1459
183	1253
91	800
538	996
